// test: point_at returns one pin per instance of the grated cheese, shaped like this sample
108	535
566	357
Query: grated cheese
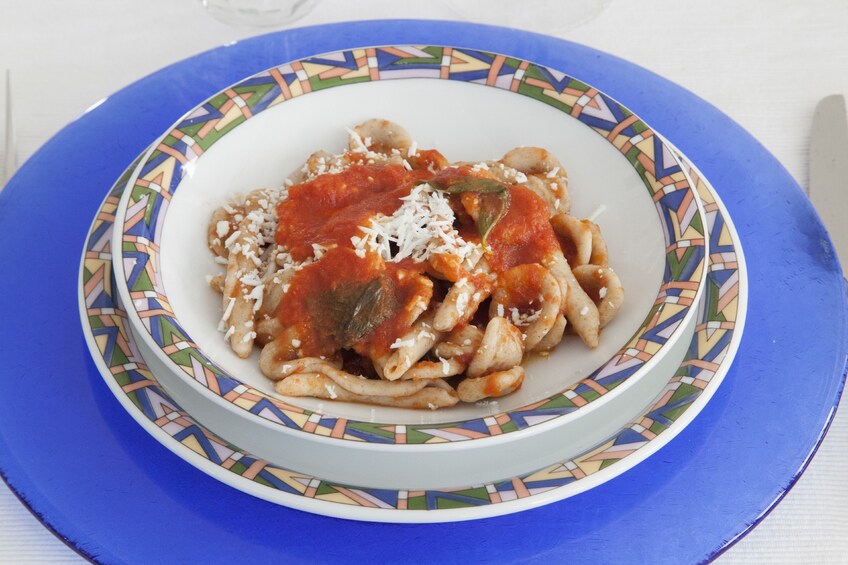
360	145
424	334
461	303
445	366
229	310
231	240
422	226
520	319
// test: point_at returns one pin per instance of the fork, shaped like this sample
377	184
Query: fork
10	160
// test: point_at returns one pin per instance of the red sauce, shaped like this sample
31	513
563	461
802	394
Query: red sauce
429	159
524	235
523	285
409	288
330	208
323	295
492	386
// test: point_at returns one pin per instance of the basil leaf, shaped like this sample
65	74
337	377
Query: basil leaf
351	311
375	305
458	185
492	209
494	198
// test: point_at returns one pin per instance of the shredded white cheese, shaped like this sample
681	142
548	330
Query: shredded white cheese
229	310
521	319
461	303
420	227
360	145
231	240
424	334
445	366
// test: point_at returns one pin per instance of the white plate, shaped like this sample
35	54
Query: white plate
683	396
569	402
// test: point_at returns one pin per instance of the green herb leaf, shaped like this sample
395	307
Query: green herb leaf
376	304
494	198
352	310
492	209
458	185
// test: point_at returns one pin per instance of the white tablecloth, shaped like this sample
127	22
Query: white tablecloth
765	63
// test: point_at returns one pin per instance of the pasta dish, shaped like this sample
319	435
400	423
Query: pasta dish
387	275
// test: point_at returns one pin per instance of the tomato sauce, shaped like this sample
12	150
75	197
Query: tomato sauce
524	234
429	159
329	209
345	300
523	285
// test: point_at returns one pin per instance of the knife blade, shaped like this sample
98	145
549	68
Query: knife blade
828	189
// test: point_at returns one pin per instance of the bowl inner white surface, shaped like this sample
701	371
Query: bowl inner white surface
465	122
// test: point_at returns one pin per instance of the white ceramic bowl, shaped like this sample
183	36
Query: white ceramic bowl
256	132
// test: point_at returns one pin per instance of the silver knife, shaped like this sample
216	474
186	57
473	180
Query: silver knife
829	171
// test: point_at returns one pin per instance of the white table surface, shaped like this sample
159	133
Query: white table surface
765	63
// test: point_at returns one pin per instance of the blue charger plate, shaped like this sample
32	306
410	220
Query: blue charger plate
113	493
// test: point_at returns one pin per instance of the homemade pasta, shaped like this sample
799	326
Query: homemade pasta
388	275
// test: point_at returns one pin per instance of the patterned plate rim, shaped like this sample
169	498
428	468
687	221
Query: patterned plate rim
142	210
712	349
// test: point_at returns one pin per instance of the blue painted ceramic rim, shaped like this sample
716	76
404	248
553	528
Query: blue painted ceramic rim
736	167
609	376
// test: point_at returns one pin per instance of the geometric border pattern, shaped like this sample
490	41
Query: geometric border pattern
110	331
162	170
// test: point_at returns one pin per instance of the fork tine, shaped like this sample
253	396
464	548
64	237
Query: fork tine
10	160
